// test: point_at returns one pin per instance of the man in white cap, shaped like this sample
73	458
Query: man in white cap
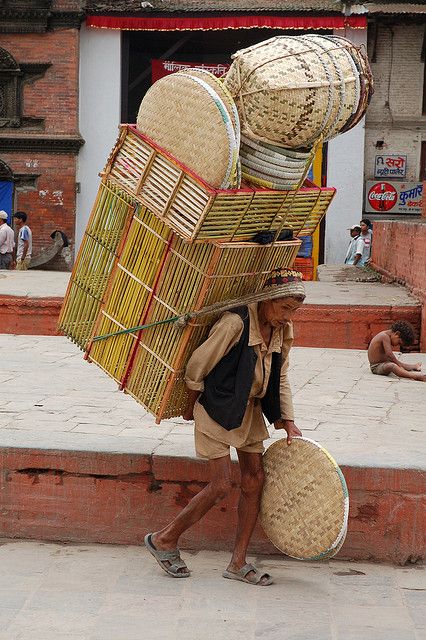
356	246
7	242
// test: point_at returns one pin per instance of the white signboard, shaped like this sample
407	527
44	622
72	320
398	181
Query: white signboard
393	197
390	167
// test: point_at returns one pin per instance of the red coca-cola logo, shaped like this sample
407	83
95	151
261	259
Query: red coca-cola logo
382	196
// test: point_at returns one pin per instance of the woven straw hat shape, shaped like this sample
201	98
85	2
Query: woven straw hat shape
219	87
305	504
290	90
185	116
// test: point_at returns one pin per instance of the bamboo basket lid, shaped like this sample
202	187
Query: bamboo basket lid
290	90
305	501
220	88
187	117
217	85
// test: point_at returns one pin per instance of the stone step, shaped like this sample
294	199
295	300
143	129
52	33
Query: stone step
81	461
336	314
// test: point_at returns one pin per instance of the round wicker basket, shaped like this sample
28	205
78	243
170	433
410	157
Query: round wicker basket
290	90
305	502
187	117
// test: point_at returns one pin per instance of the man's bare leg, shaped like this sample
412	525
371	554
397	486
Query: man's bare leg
391	367
219	485
252	479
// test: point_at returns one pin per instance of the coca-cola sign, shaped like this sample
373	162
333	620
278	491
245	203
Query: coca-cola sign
382	196
394	197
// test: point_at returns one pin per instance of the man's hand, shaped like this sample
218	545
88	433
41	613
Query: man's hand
290	427
188	413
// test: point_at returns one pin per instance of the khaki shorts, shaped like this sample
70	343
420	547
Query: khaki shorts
22	265
209	448
378	369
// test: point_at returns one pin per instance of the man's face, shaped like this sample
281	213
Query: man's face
354	233
18	222
282	310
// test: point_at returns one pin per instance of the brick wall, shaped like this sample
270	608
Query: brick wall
399	251
53	97
50	201
51	206
395	113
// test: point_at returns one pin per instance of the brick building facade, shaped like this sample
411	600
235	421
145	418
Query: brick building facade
42	89
39	133
396	118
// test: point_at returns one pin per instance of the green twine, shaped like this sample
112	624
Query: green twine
133	329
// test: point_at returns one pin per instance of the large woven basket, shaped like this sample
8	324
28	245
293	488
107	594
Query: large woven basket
157	277
305	501
186	116
196	211
290	90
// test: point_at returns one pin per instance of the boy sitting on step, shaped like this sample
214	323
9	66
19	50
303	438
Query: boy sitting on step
382	359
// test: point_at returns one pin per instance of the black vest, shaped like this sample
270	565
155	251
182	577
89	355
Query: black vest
227	386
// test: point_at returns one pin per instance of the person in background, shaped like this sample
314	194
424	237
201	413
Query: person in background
356	247
367	236
382	358
25	241
7	242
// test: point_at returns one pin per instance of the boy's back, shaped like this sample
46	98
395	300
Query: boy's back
376	348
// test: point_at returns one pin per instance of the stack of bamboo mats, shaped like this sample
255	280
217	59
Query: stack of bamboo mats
156	276
164	242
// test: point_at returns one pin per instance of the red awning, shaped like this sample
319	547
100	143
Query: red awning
226	22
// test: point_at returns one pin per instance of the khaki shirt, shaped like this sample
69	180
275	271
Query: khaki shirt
222	337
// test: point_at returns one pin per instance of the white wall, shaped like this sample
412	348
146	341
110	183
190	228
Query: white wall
345	172
100	97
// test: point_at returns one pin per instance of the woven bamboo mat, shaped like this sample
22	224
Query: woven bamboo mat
305	502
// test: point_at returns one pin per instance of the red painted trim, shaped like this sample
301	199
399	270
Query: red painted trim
215	23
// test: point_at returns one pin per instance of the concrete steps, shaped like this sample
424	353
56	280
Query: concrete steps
336	314
81	461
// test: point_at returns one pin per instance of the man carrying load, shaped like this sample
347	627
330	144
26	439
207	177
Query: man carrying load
238	375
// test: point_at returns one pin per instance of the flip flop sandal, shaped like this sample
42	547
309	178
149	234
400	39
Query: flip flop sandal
173	557
241	575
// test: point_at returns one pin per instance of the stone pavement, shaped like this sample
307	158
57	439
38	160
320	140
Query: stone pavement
106	592
52	399
34	284
52	284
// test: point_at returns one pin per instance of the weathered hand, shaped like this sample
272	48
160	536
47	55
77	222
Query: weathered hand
188	413
290	427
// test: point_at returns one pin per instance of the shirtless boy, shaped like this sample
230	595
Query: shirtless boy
382	359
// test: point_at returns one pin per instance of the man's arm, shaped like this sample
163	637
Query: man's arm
287	412
25	249
359	250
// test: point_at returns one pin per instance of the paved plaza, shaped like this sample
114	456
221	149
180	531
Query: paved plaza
52	399
53	284
105	592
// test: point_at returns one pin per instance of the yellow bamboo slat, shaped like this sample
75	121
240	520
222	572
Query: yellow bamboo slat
89	280
197	212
